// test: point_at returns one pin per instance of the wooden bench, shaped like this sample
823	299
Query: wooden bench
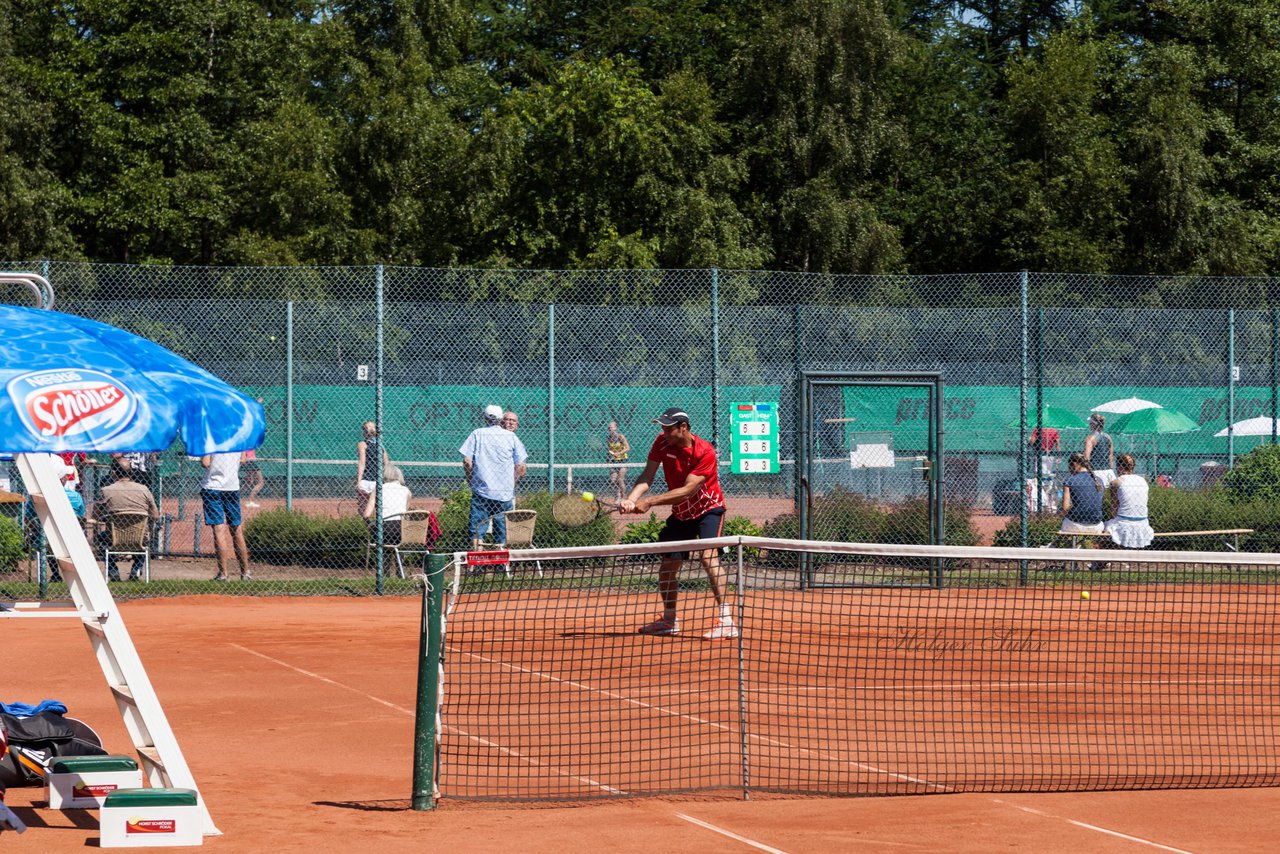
1230	537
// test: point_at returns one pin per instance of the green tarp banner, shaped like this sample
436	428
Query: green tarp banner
985	418
426	424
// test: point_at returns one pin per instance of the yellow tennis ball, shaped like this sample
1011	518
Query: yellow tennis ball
588	496
1084	594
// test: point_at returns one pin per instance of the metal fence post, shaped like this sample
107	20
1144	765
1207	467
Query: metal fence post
1024	300
551	399
715	358
288	405
1231	388
1275	370
1039	434
377	418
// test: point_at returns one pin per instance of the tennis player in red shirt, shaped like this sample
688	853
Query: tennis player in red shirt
697	513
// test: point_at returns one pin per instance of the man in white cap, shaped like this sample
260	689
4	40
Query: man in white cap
494	459
697	513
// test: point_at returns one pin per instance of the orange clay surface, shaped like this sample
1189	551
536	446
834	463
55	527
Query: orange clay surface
296	716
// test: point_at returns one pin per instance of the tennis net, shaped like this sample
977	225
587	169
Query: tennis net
862	669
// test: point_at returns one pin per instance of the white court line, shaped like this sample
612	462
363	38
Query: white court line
325	679
477	739
1094	827
720	830
861	766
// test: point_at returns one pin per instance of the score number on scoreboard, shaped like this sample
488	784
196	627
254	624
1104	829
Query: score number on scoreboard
754	427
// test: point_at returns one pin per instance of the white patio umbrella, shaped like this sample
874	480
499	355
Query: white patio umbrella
1124	405
1262	426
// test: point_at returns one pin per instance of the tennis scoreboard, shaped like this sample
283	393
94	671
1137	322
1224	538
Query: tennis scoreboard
754	427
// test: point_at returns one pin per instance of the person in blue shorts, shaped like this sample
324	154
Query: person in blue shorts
220	494
493	459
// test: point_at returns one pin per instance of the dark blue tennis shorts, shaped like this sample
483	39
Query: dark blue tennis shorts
221	507
706	527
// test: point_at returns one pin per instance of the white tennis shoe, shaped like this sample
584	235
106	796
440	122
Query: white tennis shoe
661	626
723	630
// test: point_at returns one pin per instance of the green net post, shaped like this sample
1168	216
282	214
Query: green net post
427	713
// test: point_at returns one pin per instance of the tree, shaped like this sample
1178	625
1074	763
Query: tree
598	170
526	41
34	203
809	105
1201	118
949	192
998	30
402	155
145	101
1068	180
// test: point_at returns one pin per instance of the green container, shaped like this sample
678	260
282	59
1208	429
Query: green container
93	764
151	798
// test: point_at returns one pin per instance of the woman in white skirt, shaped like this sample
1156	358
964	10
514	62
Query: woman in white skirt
1129	528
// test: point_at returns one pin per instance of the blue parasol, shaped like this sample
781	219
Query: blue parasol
72	384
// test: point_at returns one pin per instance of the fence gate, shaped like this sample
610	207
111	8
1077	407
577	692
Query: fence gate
875	435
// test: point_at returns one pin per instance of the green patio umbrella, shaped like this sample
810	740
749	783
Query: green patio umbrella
1155	420
1055	417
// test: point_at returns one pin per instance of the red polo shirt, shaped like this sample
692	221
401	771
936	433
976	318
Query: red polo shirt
678	463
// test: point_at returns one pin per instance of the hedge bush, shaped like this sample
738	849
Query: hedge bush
908	522
1041	531
849	517
1218	508
12	548
648	530
643	532
291	537
846	517
1255	476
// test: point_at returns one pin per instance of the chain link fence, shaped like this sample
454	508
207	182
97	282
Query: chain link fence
424	350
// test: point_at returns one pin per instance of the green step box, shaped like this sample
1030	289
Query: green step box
150	818
84	782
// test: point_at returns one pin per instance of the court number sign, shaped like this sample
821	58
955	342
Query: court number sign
754	427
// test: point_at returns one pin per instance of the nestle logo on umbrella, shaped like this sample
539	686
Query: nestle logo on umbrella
72	403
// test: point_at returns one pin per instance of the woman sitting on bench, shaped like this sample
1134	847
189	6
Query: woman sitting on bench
1129	528
1081	498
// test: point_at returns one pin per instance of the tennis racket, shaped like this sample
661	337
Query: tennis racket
575	509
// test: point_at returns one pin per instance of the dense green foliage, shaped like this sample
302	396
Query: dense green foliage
291	537
647	531
12	549
850	517
1042	530
863	136
1256	475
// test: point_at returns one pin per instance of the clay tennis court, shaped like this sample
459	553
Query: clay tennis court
864	691
296	718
